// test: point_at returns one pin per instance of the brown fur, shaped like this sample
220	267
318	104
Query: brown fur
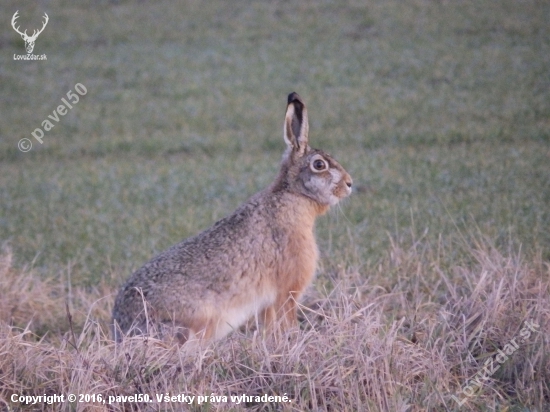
257	261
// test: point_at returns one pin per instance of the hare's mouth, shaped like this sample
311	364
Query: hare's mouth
341	186
341	191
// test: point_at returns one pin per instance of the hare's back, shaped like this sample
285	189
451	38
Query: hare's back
216	260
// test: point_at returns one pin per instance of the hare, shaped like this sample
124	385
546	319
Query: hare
255	262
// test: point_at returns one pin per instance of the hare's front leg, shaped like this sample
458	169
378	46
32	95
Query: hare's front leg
281	315
268	317
289	317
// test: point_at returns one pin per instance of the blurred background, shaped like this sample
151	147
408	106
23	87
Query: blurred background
440	111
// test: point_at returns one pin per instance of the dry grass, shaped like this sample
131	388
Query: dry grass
402	336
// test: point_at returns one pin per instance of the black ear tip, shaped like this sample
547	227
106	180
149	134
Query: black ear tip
294	97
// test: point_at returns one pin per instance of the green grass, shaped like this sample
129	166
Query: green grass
440	111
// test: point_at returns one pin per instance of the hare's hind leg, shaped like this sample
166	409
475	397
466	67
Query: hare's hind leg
189	329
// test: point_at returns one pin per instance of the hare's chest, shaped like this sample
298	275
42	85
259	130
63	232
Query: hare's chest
300	260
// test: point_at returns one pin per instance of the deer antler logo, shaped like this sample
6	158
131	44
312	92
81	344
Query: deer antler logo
29	40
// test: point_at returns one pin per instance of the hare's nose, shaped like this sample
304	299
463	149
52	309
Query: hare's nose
348	181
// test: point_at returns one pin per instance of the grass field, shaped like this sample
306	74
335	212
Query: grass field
440	111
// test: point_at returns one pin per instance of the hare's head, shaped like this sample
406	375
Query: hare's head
306	171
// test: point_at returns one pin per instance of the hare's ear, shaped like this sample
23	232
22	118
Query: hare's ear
296	125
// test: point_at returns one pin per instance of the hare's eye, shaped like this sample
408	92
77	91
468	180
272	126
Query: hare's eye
319	164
